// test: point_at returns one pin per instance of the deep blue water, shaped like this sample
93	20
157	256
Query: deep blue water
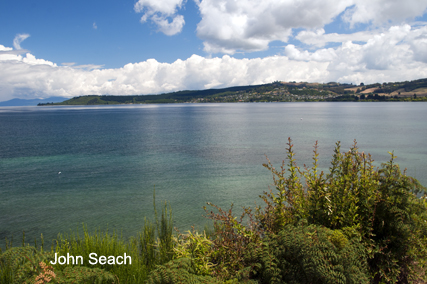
111	157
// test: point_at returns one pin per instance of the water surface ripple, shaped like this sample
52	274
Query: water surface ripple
111	157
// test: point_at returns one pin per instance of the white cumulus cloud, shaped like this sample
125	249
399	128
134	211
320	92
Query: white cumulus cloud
250	25
147	77
163	13
319	38
321	55
167	27
230	26
386	57
395	54
379	12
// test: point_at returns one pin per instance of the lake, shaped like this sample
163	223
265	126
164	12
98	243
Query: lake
64	166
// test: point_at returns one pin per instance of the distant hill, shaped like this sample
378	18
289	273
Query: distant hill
274	92
33	102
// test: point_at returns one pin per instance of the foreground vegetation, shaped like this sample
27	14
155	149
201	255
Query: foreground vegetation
354	224
274	92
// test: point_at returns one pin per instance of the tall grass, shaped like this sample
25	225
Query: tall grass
151	246
106	244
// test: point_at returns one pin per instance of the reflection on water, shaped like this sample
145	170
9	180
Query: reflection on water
111	157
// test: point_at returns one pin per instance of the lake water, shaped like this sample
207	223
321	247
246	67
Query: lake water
111	157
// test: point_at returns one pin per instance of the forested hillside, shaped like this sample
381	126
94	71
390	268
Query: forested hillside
273	92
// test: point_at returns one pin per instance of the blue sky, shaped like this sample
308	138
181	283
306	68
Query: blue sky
72	48
91	32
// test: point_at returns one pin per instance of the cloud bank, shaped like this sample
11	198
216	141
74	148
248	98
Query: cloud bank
229	26
390	46
397	54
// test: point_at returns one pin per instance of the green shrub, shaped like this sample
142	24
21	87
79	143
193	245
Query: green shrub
355	224
28	265
196	247
230	241
18	264
382	208
181	270
380	204
152	246
305	254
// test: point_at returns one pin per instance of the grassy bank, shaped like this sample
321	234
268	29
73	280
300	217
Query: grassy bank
151	246
353	224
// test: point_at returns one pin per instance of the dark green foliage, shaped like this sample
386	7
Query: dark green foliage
377	204
178	271
165	232
146	242
230	241
410	86
20	263
273	92
175	97
152	246
96	101
28	265
393	226
344	98
355	224
81	274
380	212
103	243
306	254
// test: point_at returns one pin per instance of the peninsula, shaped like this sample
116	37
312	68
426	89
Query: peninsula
274	92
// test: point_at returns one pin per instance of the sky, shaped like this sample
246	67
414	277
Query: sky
139	47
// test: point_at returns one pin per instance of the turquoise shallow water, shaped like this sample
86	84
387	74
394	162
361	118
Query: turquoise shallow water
111	157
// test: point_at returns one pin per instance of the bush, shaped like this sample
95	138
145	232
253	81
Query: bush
382	208
311	254
28	265
178	271
197	248
355	224
152	246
